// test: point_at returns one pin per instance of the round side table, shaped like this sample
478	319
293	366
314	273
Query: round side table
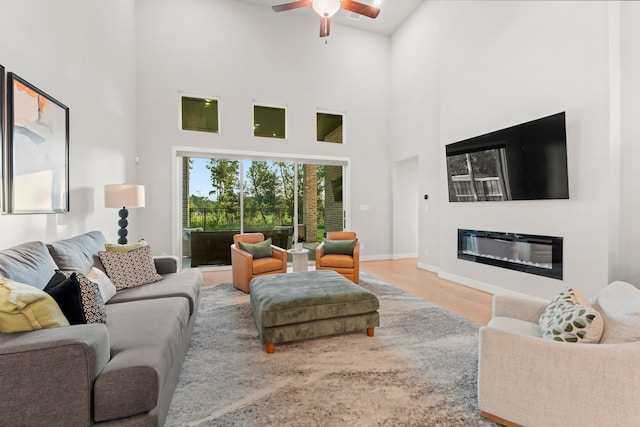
300	259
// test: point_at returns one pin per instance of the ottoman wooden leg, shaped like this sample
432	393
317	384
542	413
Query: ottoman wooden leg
269	348
370	332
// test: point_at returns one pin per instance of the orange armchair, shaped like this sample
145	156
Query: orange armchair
347	265
244	267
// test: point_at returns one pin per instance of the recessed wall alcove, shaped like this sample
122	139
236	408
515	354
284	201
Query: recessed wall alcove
540	255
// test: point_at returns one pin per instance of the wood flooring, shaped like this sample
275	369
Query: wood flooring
467	302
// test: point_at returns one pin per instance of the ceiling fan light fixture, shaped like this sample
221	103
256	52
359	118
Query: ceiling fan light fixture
326	8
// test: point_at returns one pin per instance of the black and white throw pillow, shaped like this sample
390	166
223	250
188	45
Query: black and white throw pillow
130	269
79	298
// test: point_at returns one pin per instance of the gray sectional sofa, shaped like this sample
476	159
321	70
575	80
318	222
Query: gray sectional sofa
119	373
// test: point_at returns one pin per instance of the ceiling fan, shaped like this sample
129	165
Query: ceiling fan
327	8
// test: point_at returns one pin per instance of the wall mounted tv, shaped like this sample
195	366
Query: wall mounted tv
523	162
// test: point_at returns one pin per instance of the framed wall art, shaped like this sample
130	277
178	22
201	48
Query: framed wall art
38	150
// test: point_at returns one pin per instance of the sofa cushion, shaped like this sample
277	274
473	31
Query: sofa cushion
619	304
28	263
146	338
185	284
78	253
337	261
566	320
26	308
265	265
79	299
339	247
130	269
258	250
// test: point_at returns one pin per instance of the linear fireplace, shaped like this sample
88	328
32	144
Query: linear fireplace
541	255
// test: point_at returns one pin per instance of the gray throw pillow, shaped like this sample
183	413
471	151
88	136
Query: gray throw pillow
339	247
258	250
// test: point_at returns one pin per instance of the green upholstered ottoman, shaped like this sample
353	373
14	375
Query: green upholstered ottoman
294	306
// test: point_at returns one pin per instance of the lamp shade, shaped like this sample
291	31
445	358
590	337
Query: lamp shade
123	195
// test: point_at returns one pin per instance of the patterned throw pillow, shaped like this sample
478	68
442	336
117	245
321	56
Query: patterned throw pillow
79	299
568	321
130	269
107	288
26	308
92	303
258	250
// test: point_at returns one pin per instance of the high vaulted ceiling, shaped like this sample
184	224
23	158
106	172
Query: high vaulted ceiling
392	14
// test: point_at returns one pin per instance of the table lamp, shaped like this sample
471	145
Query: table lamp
123	196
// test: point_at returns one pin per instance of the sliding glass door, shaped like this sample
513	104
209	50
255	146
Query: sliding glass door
213	189
287	201
268	200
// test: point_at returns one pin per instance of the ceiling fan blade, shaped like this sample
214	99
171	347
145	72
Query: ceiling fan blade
325	26
290	6
359	8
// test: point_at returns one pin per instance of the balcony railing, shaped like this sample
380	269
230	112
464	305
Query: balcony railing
485	188
209	219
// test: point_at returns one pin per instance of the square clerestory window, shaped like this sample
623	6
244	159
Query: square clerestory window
200	114
329	128
269	122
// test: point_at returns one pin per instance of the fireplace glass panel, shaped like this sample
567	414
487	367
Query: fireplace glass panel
540	255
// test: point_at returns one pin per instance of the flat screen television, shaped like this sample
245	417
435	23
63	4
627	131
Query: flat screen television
523	162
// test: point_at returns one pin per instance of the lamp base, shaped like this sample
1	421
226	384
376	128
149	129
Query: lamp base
122	232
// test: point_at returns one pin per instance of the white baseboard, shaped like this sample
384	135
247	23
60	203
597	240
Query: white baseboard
428	267
402	256
374	257
476	284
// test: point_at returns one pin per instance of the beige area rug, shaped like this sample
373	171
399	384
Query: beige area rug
418	370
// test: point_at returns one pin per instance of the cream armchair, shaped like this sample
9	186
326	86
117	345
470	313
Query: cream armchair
244	267
347	265
529	381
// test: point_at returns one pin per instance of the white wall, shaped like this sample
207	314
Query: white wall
81	53
627	264
241	53
415	119
498	64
